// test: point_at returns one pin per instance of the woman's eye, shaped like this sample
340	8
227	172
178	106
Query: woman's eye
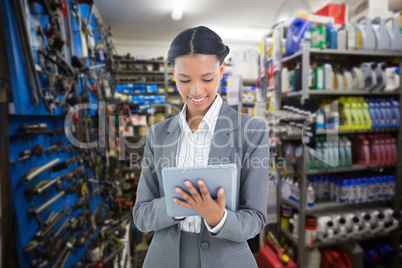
208	80
186	81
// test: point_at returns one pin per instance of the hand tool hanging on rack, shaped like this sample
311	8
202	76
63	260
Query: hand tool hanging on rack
33	172
34	151
36	129
35	90
77	15
67	163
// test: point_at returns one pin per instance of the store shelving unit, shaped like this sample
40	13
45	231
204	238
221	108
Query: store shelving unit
304	57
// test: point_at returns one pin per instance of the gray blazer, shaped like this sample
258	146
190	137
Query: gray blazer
229	247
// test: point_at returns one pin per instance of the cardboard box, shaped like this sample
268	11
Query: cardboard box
338	12
143	131
139	120
153	119
370	8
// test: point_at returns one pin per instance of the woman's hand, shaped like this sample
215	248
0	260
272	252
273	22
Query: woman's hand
210	210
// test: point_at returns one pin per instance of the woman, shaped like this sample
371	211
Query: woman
206	132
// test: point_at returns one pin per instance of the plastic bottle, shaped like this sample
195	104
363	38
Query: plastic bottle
391	222
365	112
386	111
394	32
370	77
338	79
331	181
352	191
339	226
328	76
295	35
346	120
381	76
351	36
364	151
364	222
357	113
310	196
348	153
320	119
371	191
331	38
325	231
348	79
382	34
358	78
291	190
393	149
365	39
285	80
318	78
318	36
396	120
378	114
313	257
383	151
351	225
359	190
376	222
355	253
366	183
342	39
393	79
344	192
375	154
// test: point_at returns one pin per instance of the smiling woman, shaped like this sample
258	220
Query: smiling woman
206	132
197	57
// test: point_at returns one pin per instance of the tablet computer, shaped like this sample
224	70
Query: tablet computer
214	176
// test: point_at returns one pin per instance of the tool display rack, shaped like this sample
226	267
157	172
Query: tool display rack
161	78
304	57
19	110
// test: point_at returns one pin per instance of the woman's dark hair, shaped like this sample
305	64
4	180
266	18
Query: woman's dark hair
198	40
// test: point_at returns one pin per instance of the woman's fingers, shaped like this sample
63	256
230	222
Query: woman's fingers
193	191
182	203
204	190
185	195
221	198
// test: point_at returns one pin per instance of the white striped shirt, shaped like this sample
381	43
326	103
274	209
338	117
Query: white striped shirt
193	151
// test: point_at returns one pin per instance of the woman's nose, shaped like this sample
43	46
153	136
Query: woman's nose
196	89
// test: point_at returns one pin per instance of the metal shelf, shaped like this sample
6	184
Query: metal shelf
127	61
363	92
138	72
353	131
355	52
290	236
249	81
353	168
146	93
328	54
293	94
123	81
328	205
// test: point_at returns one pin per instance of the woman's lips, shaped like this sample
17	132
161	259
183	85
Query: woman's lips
198	101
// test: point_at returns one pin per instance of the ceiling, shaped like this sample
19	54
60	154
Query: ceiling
234	20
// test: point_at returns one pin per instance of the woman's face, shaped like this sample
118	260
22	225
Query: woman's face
197	79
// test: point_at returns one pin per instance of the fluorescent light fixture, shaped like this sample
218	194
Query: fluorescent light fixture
178	7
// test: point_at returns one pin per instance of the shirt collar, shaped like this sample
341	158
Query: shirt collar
210	118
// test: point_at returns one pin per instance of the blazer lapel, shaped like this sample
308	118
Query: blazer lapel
221	144
170	143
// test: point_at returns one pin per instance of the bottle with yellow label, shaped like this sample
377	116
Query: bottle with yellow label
365	113
365	38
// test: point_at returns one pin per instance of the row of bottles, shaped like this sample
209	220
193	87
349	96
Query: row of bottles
378	34
353	190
